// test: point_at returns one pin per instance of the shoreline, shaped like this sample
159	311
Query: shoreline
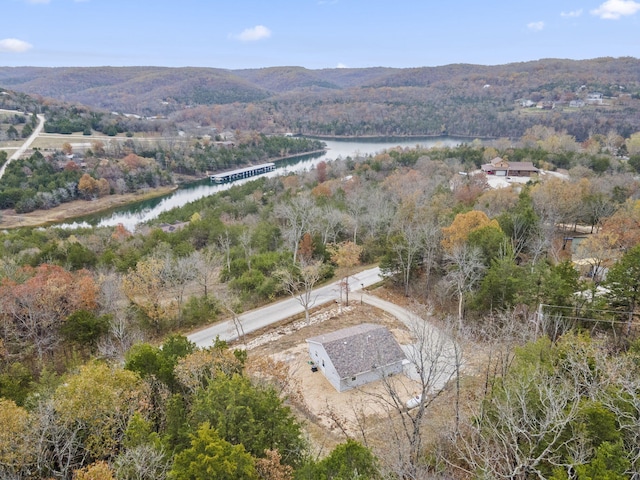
9	219
392	137
76	208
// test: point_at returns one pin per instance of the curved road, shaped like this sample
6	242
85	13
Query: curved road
432	358
20	151
276	312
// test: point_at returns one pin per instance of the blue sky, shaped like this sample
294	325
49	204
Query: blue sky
312	33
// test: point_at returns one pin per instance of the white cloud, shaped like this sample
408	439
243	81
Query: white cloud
341	65
535	26
259	32
574	13
13	45
614	9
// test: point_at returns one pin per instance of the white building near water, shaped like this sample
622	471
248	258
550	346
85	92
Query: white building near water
355	356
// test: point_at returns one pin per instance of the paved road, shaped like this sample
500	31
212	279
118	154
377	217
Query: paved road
431	358
276	312
25	145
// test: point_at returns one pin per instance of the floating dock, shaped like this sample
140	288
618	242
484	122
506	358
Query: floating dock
242	173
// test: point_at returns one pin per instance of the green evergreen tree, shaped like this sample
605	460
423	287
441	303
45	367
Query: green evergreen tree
348	461
253	416
623	282
211	457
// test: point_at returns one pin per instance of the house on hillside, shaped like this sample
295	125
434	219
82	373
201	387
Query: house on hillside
357	355
503	168
595	98
546	105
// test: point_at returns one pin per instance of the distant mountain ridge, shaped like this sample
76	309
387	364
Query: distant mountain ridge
460	99
146	88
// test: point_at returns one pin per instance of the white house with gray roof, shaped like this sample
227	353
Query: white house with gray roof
357	355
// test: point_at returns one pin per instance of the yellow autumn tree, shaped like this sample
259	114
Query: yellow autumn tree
17	451
101	400
346	255
146	287
633	144
197	369
463	224
67	149
96	471
87	186
103	188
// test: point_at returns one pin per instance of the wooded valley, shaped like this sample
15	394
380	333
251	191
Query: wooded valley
588	97
535	282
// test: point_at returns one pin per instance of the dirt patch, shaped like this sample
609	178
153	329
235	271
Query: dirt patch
366	412
331	416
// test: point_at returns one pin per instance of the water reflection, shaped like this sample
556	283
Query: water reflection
134	214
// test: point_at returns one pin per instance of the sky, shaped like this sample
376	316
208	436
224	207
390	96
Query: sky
314	34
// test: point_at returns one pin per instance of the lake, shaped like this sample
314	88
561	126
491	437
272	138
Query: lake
136	213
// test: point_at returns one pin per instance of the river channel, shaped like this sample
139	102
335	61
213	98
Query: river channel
130	216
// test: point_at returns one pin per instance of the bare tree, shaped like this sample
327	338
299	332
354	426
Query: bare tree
346	255
431	249
625	403
245	242
59	443
122	335
206	264
380	213
514	434
296	218
464	270
180	272
433	361
224	242
406	249
299	281
143	462
328	224
231	303
357	208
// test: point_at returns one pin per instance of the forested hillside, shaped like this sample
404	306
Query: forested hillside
464	100
523	338
546	350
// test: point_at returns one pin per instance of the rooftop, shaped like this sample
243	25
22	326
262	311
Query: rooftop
360	348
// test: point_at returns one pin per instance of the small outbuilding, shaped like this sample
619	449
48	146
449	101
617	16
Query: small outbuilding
357	355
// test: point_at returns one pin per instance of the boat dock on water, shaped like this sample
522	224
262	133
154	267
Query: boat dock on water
242	173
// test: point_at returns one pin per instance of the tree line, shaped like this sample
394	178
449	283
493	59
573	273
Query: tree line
44	182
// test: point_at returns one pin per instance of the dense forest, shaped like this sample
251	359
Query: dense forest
98	381
581	98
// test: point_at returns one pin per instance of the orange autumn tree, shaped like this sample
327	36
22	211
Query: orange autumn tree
625	225
88	186
33	311
463	224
